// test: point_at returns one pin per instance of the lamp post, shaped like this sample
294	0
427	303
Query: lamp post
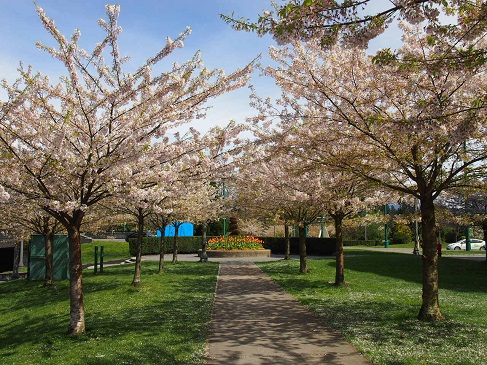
468	242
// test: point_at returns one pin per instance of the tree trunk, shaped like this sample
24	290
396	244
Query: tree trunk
204	255
76	296
162	248
175	245
138	256
340	263
430	309
303	258
49	274
16	263
287	247
484	229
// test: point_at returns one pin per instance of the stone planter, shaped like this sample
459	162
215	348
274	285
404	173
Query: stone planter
237	253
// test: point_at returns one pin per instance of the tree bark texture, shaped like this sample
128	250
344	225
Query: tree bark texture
303	257
430	308
287	248
484	229
204	255
138	255
175	245
48	257
340	262
76	295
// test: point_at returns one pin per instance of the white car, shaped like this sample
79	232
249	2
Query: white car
475	244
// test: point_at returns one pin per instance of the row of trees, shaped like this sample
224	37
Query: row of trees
99	135
408	123
350	131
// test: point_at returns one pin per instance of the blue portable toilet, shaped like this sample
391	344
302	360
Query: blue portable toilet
185	229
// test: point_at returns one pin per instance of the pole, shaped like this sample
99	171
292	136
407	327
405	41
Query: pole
467	239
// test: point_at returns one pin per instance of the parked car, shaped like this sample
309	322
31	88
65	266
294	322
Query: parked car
483	247
475	244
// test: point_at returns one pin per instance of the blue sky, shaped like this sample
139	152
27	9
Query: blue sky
146	24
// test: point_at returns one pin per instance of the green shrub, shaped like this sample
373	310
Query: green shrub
401	234
150	245
191	244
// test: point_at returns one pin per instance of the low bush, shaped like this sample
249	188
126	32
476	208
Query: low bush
191	244
150	245
314	246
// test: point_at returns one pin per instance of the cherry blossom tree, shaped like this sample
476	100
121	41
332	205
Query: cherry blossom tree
70	144
356	22
416	128
266	181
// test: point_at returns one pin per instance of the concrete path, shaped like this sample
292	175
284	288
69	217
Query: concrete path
255	322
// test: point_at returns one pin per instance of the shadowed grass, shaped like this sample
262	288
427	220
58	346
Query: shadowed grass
376	311
165	321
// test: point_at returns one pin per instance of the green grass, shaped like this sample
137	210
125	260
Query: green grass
165	321
113	250
376	311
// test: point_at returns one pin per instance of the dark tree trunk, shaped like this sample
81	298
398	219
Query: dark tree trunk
340	262
175	244
484	229
204	255
430	309
76	296
49	274
138	256
303	258
16	263
287	248
234	230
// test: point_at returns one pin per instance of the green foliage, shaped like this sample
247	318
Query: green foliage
401	234
376	311
165	321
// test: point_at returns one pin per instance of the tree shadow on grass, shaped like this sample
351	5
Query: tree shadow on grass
125	325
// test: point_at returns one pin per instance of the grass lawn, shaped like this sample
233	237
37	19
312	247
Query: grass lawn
377	310
165	321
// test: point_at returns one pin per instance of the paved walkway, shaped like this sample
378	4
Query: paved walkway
255	322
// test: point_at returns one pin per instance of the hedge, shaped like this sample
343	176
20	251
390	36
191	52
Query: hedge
315	246
150	245
363	243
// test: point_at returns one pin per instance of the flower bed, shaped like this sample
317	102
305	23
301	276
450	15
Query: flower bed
235	243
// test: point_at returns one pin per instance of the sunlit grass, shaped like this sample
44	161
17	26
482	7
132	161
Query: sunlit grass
165	321
376	311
